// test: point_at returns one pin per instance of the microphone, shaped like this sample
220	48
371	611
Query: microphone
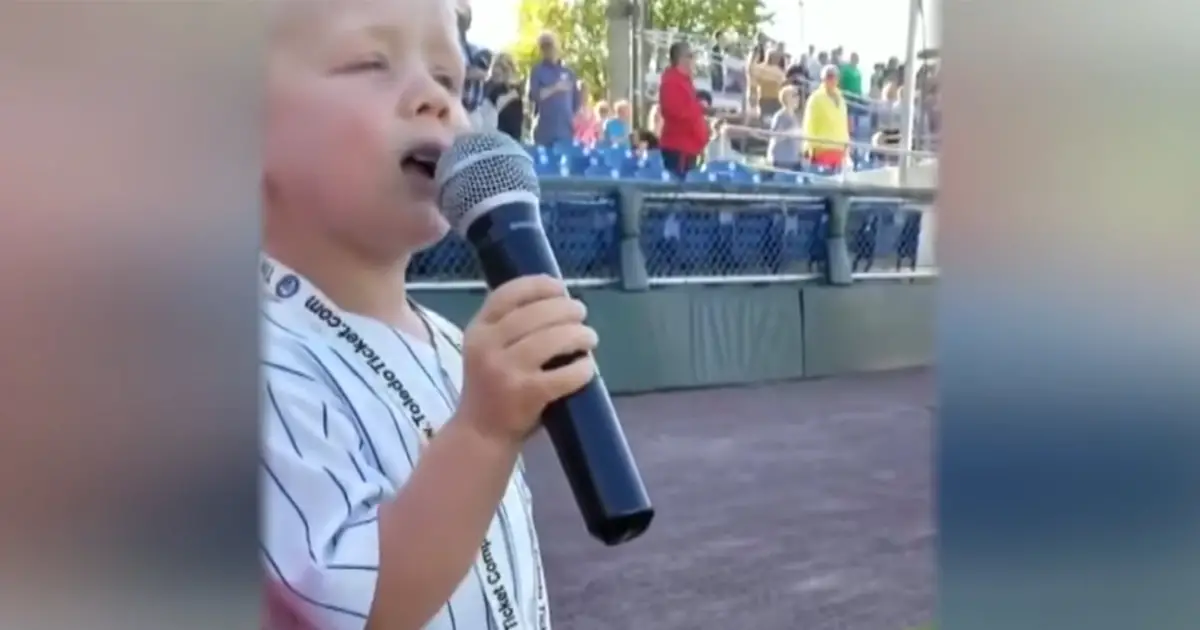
488	191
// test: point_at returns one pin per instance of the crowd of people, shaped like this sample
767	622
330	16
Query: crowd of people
814	105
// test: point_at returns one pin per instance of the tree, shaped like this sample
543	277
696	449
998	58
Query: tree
582	28
743	17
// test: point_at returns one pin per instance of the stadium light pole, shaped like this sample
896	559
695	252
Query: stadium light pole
910	89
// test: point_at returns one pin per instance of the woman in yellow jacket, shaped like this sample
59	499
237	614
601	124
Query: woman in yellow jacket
826	123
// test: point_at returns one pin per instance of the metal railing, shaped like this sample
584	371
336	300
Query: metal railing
908	157
641	235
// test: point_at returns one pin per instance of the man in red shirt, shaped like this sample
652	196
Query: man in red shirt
684	128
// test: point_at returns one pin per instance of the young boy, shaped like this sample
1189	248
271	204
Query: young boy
389	438
618	128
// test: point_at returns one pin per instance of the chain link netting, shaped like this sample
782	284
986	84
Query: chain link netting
747	238
581	228
700	237
707	238
883	235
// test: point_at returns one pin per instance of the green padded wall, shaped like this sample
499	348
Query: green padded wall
868	326
697	336
683	337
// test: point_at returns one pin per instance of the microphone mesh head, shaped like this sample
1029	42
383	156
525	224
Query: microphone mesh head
478	166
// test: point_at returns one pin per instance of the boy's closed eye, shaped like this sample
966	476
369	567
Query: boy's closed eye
453	84
373	62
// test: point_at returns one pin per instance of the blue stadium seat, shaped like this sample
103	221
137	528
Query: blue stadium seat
550	165
723	166
888	234
742	176
658	245
585	235
649	173
872	232
753	249
616	157
602	171
680	240
803	238
910	238
699	242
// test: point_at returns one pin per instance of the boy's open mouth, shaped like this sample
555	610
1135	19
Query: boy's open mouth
421	160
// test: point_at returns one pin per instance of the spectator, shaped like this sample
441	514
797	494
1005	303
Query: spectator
826	123
654	121
719	147
759	53
585	128
889	121
645	137
851	81
684	128
619	126
768	78
784	150
891	72
478	62
878	80
797	73
780	59
716	59
923	73
815	63
503	92
553	94
644	140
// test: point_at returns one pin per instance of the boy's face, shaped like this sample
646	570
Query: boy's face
362	96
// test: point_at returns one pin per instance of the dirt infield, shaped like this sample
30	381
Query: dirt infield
802	505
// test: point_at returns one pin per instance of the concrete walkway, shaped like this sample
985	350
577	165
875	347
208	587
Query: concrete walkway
802	505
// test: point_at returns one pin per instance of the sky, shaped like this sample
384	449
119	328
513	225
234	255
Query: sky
876	29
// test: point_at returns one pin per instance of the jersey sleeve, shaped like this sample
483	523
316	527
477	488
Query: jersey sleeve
320	500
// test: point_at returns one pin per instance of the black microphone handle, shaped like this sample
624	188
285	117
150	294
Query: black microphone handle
510	242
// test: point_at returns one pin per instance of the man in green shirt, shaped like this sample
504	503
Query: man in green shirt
851	82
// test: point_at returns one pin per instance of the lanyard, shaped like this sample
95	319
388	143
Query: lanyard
289	290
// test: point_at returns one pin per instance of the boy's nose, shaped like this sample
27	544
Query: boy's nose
431	101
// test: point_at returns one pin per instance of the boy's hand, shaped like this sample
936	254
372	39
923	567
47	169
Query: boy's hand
522	325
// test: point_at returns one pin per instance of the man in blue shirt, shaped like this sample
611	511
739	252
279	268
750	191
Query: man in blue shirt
554	94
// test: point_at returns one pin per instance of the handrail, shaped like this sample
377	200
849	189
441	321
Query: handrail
768	133
906	156
735	190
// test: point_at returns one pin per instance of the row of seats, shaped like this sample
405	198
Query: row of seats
621	162
702	239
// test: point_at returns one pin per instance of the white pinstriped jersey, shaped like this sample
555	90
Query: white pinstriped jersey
334	448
